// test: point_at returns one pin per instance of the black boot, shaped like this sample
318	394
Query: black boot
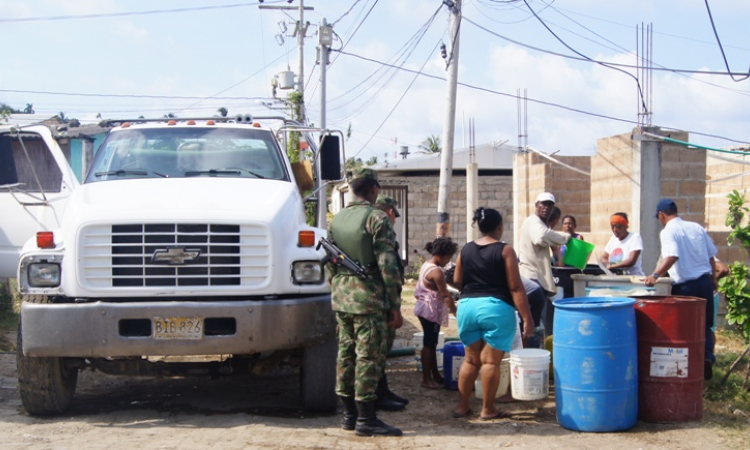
349	420
384	401
368	423
384	391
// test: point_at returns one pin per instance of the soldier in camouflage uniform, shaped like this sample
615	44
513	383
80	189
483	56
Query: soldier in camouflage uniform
387	399
366	236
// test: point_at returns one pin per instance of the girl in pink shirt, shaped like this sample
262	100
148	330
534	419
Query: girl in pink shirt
434	303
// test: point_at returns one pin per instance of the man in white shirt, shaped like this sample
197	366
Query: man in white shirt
534	245
688	255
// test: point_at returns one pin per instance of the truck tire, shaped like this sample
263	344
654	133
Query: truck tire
318	376
46	384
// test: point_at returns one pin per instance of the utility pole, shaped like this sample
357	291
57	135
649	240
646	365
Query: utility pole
325	40
449	126
300	30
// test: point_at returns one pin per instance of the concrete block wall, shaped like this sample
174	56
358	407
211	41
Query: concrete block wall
724	174
534	174
611	185
683	177
494	192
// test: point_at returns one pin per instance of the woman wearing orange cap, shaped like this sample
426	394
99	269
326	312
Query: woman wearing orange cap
623	252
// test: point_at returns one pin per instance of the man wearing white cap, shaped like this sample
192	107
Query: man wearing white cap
534	249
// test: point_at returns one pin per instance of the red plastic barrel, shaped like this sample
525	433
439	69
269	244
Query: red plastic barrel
671	340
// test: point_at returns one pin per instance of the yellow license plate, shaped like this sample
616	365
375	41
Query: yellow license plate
178	327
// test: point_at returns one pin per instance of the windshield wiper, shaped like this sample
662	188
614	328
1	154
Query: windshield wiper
121	172
224	171
212	172
128	172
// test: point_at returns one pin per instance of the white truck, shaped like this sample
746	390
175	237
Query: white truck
186	250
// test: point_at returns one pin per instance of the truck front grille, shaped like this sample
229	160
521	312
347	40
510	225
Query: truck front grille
174	255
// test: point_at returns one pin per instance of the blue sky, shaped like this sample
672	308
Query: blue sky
192	62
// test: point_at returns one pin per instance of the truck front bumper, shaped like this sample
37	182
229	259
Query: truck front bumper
94	329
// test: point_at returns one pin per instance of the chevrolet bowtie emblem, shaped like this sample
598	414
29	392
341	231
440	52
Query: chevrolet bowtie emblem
175	255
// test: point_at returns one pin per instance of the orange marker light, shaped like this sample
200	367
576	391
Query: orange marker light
45	239
210	122
125	125
172	122
306	239
191	122
256	124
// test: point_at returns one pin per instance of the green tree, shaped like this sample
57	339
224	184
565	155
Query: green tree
430	145
63	118
222	111
735	286
170	116
29	109
352	163
372	161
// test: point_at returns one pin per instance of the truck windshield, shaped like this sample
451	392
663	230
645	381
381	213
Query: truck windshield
180	152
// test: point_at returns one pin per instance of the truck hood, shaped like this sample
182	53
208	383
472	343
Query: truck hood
183	198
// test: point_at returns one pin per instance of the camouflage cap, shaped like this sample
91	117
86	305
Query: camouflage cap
364	173
386	200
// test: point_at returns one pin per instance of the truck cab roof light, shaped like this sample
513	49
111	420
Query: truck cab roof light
126	125
256	124
191	122
306	238
172	122
45	239
210	122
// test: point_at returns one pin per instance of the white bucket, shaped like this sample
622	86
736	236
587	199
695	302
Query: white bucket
502	387
529	373
418	340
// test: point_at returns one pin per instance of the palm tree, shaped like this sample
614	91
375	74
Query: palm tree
61	116
223	111
430	145
170	116
29	109
372	161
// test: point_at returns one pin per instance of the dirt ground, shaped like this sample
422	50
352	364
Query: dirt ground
236	413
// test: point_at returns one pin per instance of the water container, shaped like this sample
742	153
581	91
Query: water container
596	363
529	374
577	253
453	354
671	340
502	387
418	343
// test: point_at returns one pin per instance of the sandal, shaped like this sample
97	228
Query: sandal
458	415
499	415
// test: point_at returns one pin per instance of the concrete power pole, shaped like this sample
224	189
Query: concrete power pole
449	126
325	39
300	30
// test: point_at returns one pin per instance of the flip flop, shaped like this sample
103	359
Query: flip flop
461	416
499	415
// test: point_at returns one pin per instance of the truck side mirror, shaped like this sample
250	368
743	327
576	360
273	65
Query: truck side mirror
8	173
330	157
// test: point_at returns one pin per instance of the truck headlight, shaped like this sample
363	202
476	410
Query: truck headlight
307	272
44	275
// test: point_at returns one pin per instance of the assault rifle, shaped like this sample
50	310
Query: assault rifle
339	258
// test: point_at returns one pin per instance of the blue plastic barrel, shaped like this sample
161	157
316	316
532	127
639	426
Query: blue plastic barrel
596	363
453	357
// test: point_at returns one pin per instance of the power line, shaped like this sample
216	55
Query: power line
575	58
640	91
541	102
416	75
131	13
718	41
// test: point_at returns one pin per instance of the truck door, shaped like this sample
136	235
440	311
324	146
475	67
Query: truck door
35	183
